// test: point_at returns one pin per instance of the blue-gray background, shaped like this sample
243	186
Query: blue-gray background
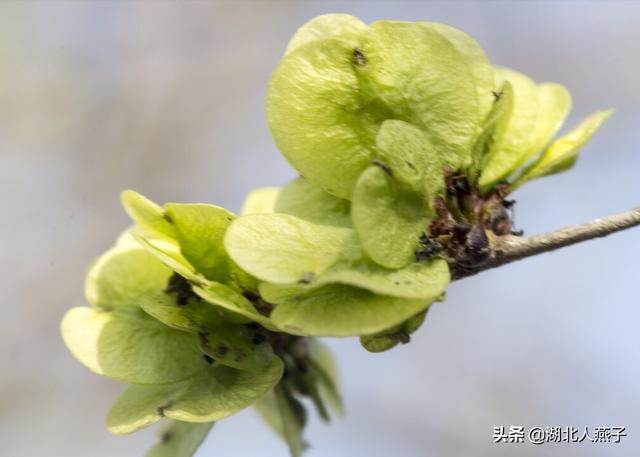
168	99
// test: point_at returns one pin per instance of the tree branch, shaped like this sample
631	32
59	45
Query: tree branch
507	249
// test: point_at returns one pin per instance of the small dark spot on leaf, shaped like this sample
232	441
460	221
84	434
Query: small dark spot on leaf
181	287
166	437
307	278
167	218
497	94
204	339
222	350
240	354
384	166
411	165
359	58
161	409
207	359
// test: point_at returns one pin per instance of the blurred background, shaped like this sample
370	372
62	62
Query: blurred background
168	98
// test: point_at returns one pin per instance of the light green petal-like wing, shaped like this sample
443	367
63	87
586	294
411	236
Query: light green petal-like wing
180	439
554	103
317	116
339	310
261	201
563	153
227	343
388	219
416	280
341	26
200	230
267	408
328	384
292	420
302	199
147	215
515	133
285	249
168	252
411	159
477	62
128	345
417	74
231	300
214	394
492	126
122	275
390	338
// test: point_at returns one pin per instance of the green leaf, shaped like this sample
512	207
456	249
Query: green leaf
234	345
180	439
554	103
168	252
515	132
147	214
194	316
261	201
122	275
317	116
127	240
129	345
323	362
389	219
476	61
491	127
563	153
283	249
200	230
292	419
231	300
416	280
439	97
339	310
267	408
342	26
411	159
215	393
302	199
390	338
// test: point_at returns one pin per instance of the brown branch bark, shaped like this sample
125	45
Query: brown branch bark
507	249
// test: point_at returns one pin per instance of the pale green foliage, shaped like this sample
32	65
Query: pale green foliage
261	200
213	330
515	132
404	136
212	394
339	310
391	337
180	439
563	153
306	201
284	249
199	231
341	26
129	345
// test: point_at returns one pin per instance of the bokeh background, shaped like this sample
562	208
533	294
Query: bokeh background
168	98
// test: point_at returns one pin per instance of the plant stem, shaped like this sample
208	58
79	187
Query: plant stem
507	249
